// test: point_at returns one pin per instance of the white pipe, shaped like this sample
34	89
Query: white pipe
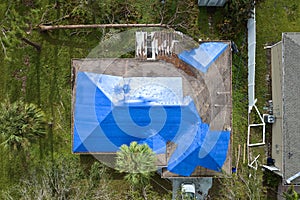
251	25
289	180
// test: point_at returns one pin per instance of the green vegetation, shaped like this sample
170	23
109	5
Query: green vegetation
138	161
64	179
20	124
273	18
36	83
291	194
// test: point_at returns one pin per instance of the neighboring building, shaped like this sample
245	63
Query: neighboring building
285	69
211	2
171	97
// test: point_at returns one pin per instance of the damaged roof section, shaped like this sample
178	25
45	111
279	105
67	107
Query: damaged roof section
151	45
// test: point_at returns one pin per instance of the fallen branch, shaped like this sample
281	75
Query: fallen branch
35	45
3	47
53	27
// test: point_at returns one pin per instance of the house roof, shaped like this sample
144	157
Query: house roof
291	104
110	93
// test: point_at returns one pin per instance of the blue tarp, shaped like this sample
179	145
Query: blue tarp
111	111
202	57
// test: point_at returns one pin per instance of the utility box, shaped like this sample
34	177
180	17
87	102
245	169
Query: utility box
269	118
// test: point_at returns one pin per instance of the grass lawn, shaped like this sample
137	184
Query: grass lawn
273	17
44	78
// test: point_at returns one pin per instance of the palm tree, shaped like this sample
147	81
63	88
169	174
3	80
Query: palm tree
20	124
139	162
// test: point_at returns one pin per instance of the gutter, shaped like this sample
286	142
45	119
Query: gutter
289	180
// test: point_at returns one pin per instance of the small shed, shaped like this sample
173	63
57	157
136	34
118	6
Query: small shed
211	2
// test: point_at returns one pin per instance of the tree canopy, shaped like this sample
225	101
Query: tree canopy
138	161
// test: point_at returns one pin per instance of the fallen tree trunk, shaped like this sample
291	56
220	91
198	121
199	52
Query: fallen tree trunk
53	27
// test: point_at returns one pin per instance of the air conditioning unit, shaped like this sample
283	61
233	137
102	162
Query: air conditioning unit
269	118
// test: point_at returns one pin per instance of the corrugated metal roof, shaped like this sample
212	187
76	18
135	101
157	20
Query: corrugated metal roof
211	2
